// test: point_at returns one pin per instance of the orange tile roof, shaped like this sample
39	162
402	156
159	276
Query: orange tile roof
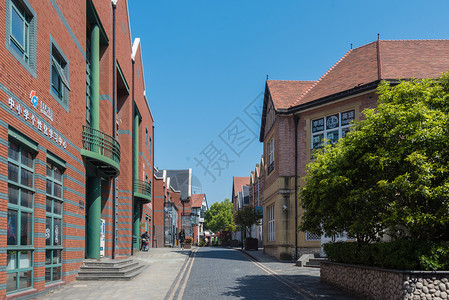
237	183
197	200
396	59
285	92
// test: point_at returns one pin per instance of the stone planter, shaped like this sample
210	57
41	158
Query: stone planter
376	283
187	246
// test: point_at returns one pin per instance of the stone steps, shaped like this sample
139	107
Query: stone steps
123	269
314	262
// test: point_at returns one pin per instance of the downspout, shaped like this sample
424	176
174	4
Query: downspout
152	192
296	120
133	150
114	115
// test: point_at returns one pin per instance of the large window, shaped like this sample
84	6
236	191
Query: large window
330	128
59	75
53	231
271	156
19	269
271	223
21	33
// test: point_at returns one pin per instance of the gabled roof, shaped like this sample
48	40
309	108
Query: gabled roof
197	200
237	183
285	92
379	60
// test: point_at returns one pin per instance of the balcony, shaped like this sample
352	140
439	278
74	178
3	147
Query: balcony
101	151
142	191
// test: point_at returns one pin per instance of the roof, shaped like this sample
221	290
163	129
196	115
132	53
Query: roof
285	92
197	200
181	180
237	183
389	59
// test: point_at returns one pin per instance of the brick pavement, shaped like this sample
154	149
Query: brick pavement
163	265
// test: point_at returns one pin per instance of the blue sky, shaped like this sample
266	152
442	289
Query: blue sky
206	62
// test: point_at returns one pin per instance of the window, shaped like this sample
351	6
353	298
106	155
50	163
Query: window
59	75
20	218
53	230
271	156
146	137
150	145
271	223
330	128
21	40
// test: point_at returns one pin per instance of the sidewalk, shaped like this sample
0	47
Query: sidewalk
162	265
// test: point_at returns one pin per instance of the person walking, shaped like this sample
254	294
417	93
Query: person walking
145	241
182	237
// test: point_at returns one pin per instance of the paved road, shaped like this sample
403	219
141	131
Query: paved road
218	273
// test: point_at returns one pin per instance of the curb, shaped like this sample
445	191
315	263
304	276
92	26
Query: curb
247	254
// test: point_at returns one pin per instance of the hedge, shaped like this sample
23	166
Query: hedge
400	254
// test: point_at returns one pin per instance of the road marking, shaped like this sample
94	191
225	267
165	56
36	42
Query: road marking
183	287
181	275
287	282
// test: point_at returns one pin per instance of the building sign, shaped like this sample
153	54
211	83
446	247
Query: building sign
317	125
36	121
47	111
332	122
347	117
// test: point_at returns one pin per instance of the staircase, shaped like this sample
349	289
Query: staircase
314	262
123	269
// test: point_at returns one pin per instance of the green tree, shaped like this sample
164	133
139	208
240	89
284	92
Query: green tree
390	172
219	217
247	217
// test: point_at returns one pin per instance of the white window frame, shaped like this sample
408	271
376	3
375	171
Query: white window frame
327	130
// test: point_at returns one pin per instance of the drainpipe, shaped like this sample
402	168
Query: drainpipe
114	126
296	120
132	175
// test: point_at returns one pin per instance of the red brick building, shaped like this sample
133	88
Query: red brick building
76	140
299	115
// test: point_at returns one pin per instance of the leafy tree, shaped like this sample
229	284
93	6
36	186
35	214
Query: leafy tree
219	216
247	217
391	171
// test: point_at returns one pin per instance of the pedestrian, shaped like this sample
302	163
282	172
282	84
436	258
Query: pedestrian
145	241
182	237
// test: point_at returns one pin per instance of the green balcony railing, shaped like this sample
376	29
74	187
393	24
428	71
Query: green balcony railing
102	150
142	190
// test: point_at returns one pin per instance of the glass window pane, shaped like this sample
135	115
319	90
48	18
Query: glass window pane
55	81
26	178
57	232
56	273
58	174
11	284
13	172
49	170
48	187
17	49
317	141
57	207
26	258
49	204
26	198
11	260
25	228
48	275
48	231
12	227
332	122
13	151
13	194
27	158
17	26
56	256
48	257
57	191
26	279
332	136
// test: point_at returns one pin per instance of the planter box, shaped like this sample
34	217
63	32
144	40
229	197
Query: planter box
251	244
187	246
376	283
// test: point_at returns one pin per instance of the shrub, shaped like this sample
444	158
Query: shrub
188	240
400	254
202	243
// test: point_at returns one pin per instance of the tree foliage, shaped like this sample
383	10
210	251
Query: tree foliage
219	216
247	217
390	172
